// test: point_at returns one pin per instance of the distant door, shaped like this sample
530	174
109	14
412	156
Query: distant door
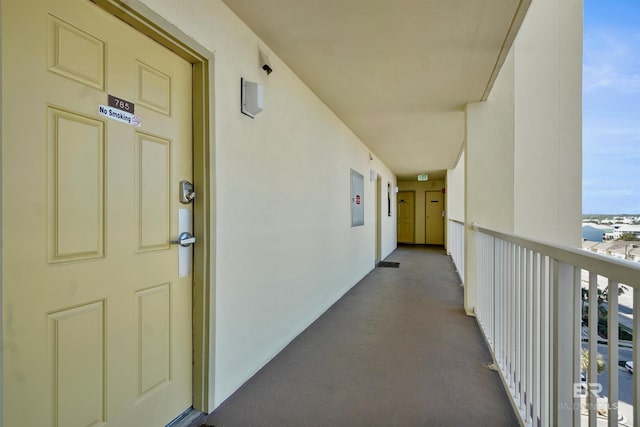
435	218
406	217
97	327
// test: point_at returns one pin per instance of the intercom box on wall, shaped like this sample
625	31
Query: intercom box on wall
252	96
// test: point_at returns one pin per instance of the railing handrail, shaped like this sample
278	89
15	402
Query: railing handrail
456	221
622	271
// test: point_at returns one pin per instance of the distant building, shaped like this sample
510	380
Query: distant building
629	250
620	230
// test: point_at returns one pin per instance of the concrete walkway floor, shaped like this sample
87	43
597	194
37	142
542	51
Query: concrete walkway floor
396	350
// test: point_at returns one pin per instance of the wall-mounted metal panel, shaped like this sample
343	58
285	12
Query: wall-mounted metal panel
357	199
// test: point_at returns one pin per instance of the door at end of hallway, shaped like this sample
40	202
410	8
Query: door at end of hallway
406	217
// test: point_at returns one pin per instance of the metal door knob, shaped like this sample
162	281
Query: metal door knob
184	239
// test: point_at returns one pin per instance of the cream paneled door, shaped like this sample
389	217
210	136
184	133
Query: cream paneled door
406	217
434	217
96	320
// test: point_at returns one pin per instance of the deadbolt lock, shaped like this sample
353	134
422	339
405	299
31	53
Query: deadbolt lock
186	192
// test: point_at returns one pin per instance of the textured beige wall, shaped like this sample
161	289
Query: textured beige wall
524	144
455	195
285	249
489	155
548	123
489	171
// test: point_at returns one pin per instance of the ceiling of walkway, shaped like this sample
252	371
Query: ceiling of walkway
398	72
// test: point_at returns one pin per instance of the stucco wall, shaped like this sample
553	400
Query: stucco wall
524	144
489	155
285	250
455	191
489	169
420	203
523	156
548	123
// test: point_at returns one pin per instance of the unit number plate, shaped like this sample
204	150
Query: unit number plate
121	104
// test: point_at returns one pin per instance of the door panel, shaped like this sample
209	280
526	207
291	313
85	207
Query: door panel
406	217
97	324
434	221
76	160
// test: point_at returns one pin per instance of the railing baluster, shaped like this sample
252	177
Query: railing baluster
514	314
537	372
523	330
526	348
529	308
545	359
636	357
494	306
517	326
505	314
497	305
478	308
577	341
510	290
612	338
487	289
592	374
530	337
482	277
512	305
554	307
565	363
501	304
503	309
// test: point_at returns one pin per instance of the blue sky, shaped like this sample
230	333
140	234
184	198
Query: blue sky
611	107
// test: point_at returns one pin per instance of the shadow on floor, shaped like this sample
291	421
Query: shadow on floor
396	350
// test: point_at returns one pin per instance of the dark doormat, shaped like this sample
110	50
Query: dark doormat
388	264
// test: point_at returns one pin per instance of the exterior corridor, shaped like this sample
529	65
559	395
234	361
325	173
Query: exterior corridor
396	350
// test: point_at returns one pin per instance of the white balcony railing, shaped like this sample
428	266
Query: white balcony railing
529	309
455	245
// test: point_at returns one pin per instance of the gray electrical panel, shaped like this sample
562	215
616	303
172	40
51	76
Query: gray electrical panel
357	199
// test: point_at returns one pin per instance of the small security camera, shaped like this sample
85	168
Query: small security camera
264	62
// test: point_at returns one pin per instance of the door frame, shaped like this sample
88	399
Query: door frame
149	23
